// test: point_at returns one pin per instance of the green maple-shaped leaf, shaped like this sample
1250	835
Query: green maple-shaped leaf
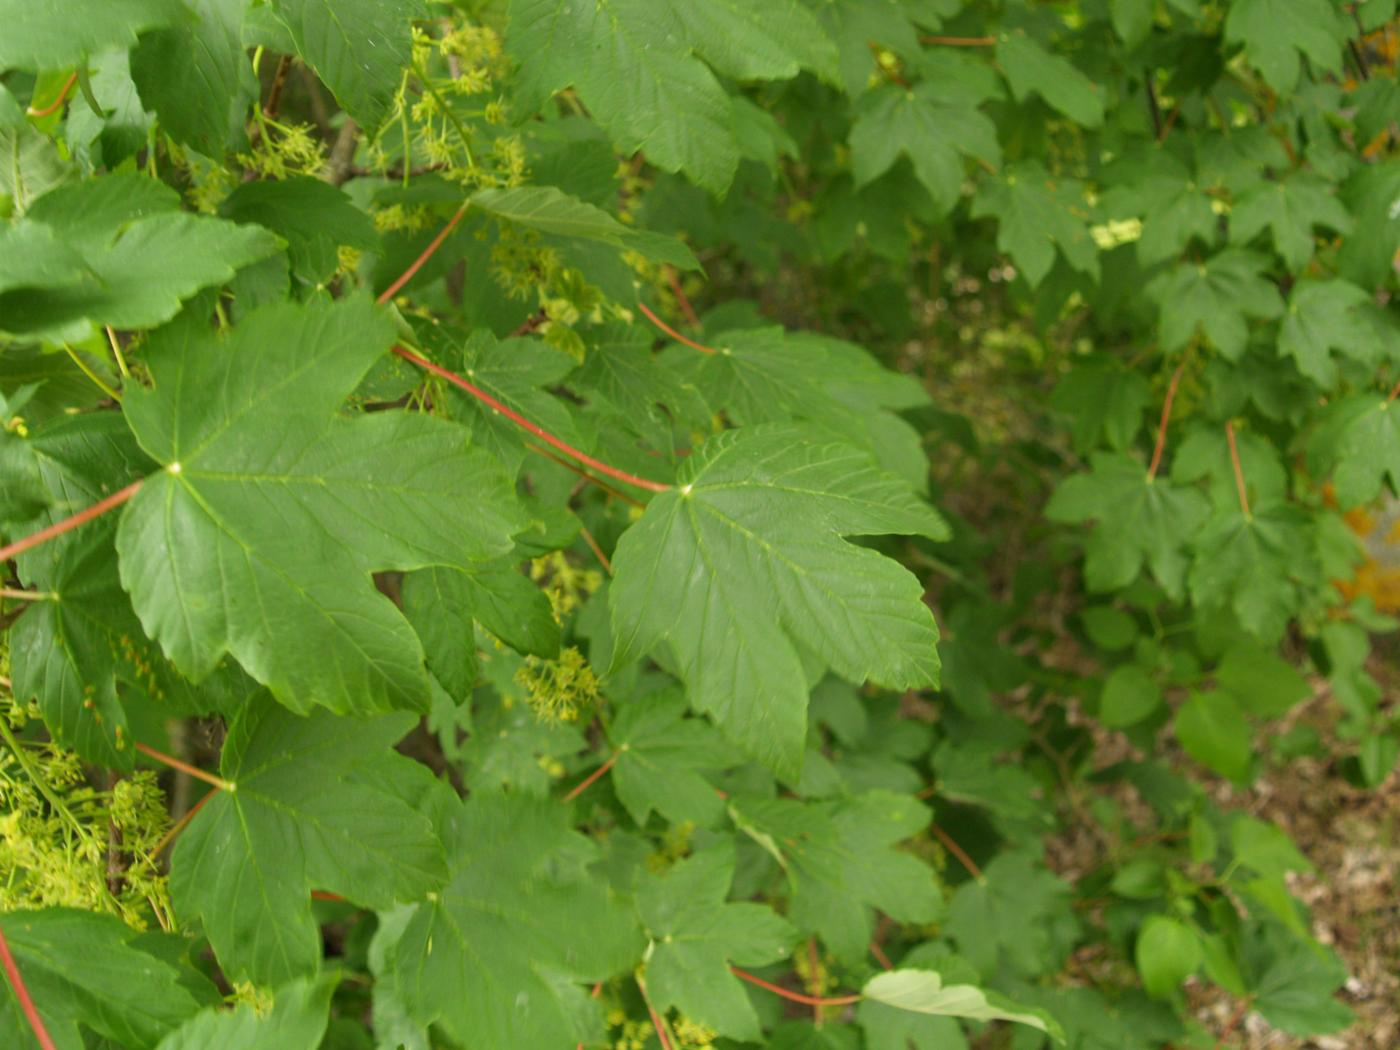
841	862
296	1021
206	49
318	803
1218	296
1016	916
1327	316
635	389
696	934
1289	209
1036	214
1173	207
757	41
1253	565
768	375
80	969
140	257
1367	257
497	957
742	568
1030	69
1358	444
55	36
1278	34
259	536
630	61
359	48
660	754
314	217
933	126
1140	520
1103	400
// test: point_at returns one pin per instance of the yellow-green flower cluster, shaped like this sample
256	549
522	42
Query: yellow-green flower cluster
558	690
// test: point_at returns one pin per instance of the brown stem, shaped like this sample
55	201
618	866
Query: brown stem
58	528
31	1012
1162	424
423	257
185	767
44	111
673	333
791	996
691	318
1239	471
959	41
597	550
592	778
952	847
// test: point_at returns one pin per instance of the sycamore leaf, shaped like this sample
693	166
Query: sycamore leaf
1253	564
497	957
80	968
1277	34
1103	400
636	389
630	61
1139	520
1173	207
259	536
1367	256
1036	214
1295	981
742	569
842	862
1030	69
1358	444
935	127
359	48
854	24
552	211
297	1021
1324	316
314	217
140	254
1217	296
318	803
54	36
769	41
923	991
1016	916
660	754
511	749
206	49
695	936
1289	209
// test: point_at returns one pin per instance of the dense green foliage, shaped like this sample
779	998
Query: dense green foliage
571	684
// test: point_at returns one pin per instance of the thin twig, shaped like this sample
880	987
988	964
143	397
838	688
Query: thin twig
185	767
28	596
180	825
791	996
673	333
1152	107
1162	424
592	778
44	111
959	41
597	550
673	279
423	257
1394	392
58	528
952	847
1239	471
1232	1023
117	353
31	1012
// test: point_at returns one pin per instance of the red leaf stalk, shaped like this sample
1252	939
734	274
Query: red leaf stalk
62	95
592	777
1239	471
58	528
673	333
423	257
1162	424
791	996
185	767
31	1012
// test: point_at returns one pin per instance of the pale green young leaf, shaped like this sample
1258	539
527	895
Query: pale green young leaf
1262	681
1140	520
552	211
842	862
1219	297
498	956
742	568
359	48
321	802
206	49
297	1021
1038	213
1030	69
1278	34
54	36
259	536
1167	952
696	934
934	128
1213	730
923	992
80	968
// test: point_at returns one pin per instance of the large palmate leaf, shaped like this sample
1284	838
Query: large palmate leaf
1289	209
80	968
497	957
1037	213
207	50
1359	444
842	862
660	754
312	216
1278	34
297	1021
1328	316
1218	298
52	36
139	256
1140	519
696	934
742	568
259	536
358	47
631	64
317	803
1031	69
